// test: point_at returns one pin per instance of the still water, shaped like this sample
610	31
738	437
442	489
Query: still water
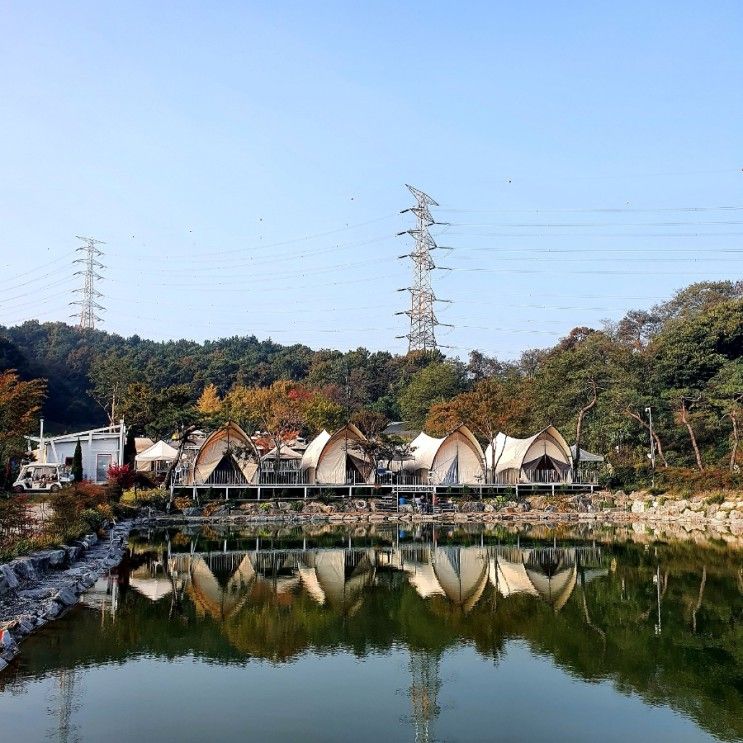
439	634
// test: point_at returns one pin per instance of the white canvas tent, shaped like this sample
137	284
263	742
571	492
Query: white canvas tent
157	457
543	457
454	459
227	457
336	459
285	453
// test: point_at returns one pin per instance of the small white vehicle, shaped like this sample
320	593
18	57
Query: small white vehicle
42	478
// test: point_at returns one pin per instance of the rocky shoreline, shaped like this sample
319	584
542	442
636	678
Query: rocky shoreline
40	587
722	513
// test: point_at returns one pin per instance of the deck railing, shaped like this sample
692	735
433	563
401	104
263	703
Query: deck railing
270	477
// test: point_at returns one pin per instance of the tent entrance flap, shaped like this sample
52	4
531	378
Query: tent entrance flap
545	464
227	471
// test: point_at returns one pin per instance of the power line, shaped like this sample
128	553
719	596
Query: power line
90	295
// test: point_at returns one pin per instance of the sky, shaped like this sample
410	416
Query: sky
245	164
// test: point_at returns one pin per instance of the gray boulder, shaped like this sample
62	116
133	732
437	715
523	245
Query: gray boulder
8	579
65	597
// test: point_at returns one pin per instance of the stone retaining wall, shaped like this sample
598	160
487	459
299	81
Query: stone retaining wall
39	587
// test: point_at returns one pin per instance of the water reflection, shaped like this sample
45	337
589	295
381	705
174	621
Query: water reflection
658	620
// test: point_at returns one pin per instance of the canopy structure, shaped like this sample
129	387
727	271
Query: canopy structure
159	452
337	459
285	453
543	457
554	587
422	577
227	457
456	458
586	457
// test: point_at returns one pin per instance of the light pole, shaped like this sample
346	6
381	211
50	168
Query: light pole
649	411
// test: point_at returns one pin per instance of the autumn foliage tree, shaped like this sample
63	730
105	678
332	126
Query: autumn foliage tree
20	403
493	405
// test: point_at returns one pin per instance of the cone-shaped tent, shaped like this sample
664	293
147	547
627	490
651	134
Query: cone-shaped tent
454	459
543	457
227	457
554	588
336	459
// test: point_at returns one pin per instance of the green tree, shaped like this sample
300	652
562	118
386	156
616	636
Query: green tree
77	463
435	383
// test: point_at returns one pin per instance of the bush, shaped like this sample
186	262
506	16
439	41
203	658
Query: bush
683	478
121	475
93	518
626	478
143	480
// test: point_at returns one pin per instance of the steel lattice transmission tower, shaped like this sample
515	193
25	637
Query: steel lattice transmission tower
88	303
422	336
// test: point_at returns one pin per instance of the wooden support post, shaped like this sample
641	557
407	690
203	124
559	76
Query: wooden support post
305	492
553	489
259	492
193	493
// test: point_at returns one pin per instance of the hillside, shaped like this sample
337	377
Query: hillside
682	357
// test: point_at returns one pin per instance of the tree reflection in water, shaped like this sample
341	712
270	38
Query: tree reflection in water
660	620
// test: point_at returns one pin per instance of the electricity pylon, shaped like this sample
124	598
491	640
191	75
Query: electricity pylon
88	303
422	336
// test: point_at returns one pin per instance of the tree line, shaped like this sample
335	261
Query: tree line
681	359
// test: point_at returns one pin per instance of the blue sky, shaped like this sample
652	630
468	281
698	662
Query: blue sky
245	163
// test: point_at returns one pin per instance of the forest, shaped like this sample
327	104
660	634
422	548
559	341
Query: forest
681	358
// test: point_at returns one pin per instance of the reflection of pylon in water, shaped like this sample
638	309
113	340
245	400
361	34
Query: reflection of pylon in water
424	690
66	691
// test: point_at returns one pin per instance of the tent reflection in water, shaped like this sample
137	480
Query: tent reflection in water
543	457
227	457
150	584
210	597
462	573
338	459
454	459
331	582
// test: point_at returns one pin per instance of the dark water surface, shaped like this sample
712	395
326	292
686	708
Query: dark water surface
371	634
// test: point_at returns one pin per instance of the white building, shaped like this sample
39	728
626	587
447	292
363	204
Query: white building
101	448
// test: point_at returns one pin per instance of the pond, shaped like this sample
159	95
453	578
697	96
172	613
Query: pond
441	633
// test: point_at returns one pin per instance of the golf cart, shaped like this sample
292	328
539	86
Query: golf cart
42	478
